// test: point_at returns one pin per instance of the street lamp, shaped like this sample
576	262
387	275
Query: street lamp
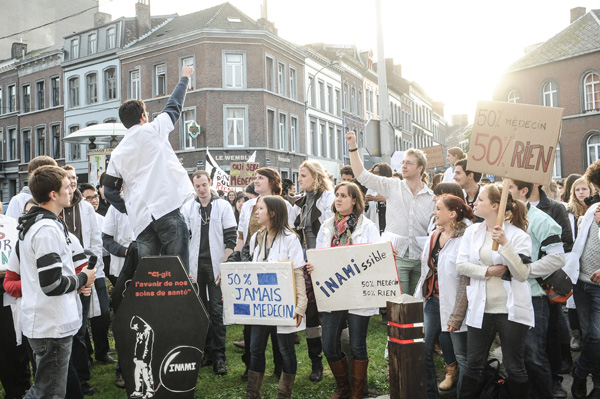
313	79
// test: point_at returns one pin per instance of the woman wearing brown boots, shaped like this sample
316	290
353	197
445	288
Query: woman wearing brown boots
347	227
276	242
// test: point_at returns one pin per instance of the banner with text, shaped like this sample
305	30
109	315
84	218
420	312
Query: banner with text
242	173
220	179
258	293
435	156
516	141
8	239
354	277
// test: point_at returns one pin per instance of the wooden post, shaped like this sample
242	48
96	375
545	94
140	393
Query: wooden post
406	348
502	208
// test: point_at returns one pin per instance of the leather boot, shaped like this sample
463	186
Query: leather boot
359	377
451	377
338	369
471	387
286	383
254	384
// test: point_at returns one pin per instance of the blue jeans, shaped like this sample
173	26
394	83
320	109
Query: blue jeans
52	361
459	344
587	299
536	358
433	331
215	342
333	324
512	336
258	343
409	273
168	235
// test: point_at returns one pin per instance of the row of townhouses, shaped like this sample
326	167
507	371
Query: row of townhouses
251	91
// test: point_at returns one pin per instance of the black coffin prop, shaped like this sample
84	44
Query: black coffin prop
160	330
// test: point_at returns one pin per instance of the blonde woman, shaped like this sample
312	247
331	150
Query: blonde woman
312	210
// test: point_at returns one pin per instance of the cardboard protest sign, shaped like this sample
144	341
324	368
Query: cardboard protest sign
8	240
435	156
354	277
220	179
160	329
516	141
258	293
242	173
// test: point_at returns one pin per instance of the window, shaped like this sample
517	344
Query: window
75	48
233	71
55	87
160	80
322	102
293	84
26	98
353	99
271	134
360	109
330	99
338	102
134	85
187	117
550	94
293	134
270	74
111	37
323	140
346	97
110	84
342	144
1	102
40	94
12	143
40	134
313	91
513	97
235	126
92	43
75	149
282	131
313	137
281	79
55	142
189	61
557	171
74	92
592	91
593	148
331	142
12	98
26	140
92	88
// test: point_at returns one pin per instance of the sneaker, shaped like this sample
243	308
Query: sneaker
219	367
206	361
108	359
87	389
240	344
557	390
120	382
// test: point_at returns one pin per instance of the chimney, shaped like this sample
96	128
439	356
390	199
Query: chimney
18	50
263	22
101	18
577	13
143	21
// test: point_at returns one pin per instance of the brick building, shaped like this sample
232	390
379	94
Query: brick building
564	72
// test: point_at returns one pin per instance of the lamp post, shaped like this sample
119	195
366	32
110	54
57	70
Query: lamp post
313	79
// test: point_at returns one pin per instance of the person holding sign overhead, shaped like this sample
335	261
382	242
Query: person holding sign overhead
348	226
411	201
499	297
276	242
441	286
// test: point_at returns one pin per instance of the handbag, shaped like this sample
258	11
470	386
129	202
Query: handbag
494	384
558	286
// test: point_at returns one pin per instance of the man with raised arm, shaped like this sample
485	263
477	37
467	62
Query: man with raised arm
155	184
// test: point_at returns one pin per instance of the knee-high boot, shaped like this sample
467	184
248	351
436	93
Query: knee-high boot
286	383
359	377
254	384
338	369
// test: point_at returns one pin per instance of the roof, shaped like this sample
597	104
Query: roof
223	16
580	37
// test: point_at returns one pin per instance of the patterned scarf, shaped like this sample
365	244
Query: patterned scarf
344	226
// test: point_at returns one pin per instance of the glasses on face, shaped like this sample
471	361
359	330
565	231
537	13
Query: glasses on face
408	163
92	197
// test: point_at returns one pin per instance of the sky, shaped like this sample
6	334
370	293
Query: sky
456	50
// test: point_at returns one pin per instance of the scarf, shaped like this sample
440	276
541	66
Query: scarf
343	228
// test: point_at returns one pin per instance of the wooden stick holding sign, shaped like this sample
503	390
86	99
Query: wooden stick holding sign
514	141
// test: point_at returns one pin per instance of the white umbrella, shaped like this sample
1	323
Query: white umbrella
102	133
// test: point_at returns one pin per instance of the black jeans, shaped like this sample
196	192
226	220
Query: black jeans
100	324
512	336
215	340
258	343
79	354
14	365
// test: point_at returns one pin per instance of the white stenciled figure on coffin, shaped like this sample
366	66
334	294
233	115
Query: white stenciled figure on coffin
142	358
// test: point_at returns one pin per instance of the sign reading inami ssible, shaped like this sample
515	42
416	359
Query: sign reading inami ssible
517	141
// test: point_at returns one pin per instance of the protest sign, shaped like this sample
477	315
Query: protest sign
220	179
435	156
516	141
258	293
354	277
8	239
397	159
242	173
160	329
